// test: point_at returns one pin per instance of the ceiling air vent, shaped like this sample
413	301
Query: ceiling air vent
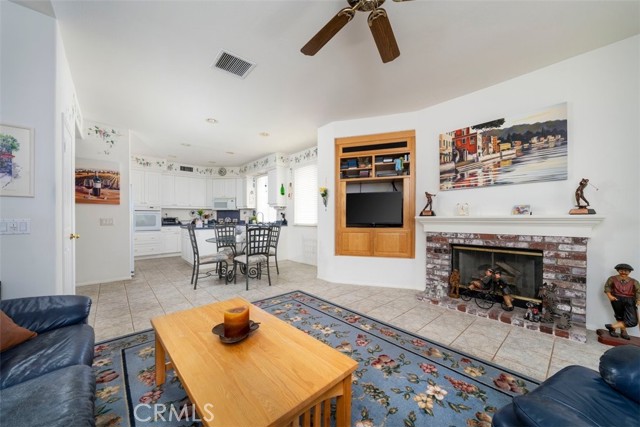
233	64
186	169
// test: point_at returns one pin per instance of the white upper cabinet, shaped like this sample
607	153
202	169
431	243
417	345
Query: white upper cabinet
181	185
197	193
276	181
246	193
224	188
146	189
168	190
153	188
137	182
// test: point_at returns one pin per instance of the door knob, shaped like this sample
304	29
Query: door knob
74	236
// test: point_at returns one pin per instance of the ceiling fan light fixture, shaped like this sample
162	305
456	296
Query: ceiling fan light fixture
383	35
327	32
378	23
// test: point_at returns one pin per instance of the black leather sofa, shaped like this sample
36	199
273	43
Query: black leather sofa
578	396
48	380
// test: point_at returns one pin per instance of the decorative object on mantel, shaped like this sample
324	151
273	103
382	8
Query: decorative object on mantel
583	209
324	193
454	284
427	210
521	210
462	209
485	154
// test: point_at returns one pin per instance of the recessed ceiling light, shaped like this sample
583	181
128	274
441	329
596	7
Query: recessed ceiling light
211	120
212	162
171	156
230	152
184	144
265	134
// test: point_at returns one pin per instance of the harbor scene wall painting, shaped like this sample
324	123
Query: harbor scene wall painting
97	182
525	149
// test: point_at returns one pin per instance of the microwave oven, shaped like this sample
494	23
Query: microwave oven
224	204
147	220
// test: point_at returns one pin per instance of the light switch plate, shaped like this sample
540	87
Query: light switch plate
106	222
15	226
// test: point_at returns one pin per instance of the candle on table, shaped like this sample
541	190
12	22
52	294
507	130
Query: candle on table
236	322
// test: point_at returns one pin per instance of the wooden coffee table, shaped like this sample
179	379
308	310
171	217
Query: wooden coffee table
271	378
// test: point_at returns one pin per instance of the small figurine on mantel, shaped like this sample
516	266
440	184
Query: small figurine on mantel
426	211
582	209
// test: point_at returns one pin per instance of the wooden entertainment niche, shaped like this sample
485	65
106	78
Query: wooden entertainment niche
368	164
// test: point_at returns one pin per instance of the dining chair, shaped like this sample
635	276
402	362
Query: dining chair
274	236
219	259
256	254
227	244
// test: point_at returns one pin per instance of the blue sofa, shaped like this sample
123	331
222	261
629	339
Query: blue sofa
578	396
48	380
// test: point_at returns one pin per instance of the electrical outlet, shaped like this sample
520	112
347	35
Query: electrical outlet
106	222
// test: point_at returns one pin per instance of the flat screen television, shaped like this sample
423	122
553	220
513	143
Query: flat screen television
379	209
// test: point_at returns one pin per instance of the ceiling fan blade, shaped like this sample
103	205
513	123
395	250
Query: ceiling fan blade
383	35
327	32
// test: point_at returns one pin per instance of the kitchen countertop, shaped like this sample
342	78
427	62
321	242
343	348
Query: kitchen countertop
212	226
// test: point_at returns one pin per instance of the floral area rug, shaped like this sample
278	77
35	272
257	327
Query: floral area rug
402	379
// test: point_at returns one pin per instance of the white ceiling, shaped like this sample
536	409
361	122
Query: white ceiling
145	65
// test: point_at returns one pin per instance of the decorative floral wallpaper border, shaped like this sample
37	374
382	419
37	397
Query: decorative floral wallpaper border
104	137
253	168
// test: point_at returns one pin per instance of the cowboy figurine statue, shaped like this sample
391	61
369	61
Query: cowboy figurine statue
624	294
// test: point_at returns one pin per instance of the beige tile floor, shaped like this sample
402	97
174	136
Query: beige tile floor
162	286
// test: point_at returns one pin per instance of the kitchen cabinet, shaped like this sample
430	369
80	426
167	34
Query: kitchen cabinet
246	193
168	190
190	192
224	188
152	185
146	189
205	248
171	240
276	178
147	243
181	188
197	193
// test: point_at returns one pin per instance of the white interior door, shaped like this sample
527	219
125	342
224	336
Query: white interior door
68	206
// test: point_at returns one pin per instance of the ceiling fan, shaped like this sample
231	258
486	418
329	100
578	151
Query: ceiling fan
378	23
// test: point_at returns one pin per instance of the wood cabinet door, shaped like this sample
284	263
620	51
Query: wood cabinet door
356	243
392	243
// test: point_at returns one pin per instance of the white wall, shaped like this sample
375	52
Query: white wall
28	99
602	90
103	252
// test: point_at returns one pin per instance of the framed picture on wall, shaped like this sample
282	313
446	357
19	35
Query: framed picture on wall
525	148
97	182
16	161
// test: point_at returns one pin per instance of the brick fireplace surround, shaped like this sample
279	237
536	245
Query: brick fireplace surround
564	262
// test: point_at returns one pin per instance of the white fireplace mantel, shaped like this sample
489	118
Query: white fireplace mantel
532	225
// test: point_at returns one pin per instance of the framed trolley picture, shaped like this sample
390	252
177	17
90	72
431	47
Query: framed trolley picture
16	161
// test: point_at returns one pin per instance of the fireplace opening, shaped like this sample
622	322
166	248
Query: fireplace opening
522	269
